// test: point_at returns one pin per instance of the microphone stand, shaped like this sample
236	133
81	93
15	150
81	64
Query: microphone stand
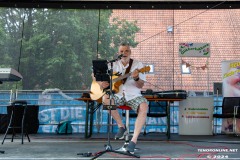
108	147
2	152
216	127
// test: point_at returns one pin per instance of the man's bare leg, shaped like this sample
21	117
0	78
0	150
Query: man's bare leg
114	113
140	121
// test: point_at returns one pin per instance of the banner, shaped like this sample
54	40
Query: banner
231	78
195	116
194	50
230	88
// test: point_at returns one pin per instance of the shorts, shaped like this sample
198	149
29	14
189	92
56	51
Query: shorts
133	103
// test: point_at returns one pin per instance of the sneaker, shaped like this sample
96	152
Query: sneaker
121	133
131	147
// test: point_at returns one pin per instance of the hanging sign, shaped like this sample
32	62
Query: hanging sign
194	50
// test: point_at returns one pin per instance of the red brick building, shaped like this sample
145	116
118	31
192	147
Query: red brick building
160	33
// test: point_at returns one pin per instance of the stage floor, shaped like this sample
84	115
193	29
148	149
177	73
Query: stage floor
151	146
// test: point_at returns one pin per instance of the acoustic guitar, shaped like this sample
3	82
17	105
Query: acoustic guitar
97	92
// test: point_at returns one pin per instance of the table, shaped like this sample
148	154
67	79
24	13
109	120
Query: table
91	108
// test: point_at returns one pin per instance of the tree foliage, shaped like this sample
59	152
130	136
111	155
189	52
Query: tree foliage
55	48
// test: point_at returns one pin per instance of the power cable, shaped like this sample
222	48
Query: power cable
184	21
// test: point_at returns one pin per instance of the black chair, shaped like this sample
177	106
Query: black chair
236	117
17	107
156	110
227	107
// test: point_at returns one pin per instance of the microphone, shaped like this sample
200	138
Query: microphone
118	58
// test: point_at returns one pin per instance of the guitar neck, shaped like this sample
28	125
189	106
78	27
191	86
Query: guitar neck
121	77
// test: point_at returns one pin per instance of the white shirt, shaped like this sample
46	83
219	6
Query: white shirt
129	88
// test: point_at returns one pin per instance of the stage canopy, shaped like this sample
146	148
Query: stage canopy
123	4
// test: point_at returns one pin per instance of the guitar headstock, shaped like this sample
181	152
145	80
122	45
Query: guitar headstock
144	69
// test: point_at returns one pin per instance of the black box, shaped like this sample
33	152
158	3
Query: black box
172	94
31	119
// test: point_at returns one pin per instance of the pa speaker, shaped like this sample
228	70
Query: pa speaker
217	88
31	124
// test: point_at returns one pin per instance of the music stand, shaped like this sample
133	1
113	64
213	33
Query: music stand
102	73
100	70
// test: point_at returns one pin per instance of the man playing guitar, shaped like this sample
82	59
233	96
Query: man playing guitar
129	94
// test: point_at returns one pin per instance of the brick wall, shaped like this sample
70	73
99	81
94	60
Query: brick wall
157	46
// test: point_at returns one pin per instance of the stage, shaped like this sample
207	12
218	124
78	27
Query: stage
151	146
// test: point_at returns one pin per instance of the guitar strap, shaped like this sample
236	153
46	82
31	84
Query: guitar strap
127	70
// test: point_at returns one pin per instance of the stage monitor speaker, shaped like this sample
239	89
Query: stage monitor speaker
217	86
31	118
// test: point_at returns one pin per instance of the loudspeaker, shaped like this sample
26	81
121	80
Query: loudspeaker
31	118
217	86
